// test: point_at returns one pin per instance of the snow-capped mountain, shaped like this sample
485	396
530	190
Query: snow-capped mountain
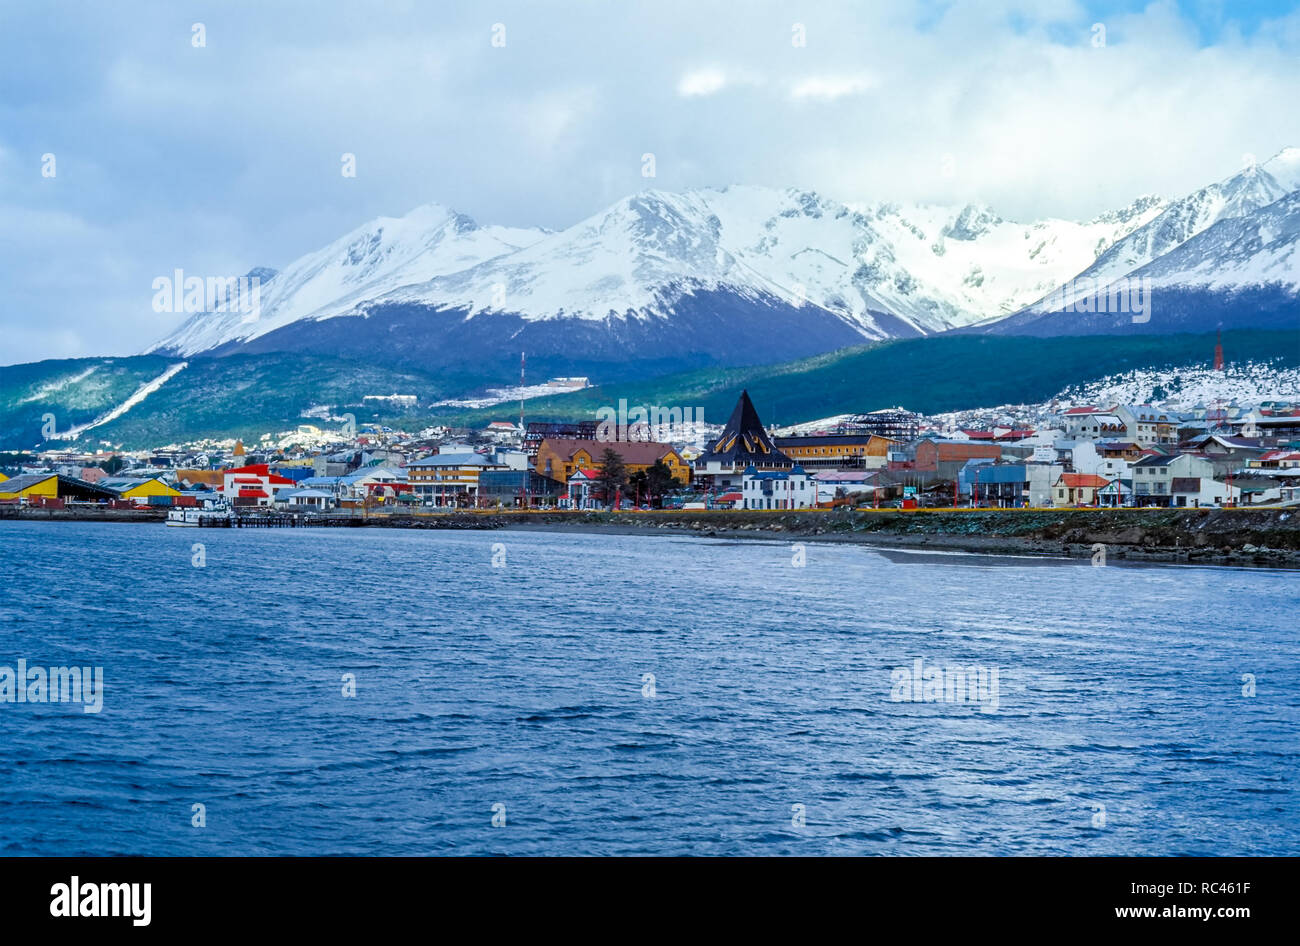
1243	193
1225	255
930	268
1255	249
950	270
366	263
880	271
731	275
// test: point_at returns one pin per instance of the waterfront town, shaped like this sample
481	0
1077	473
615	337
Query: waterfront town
1075	455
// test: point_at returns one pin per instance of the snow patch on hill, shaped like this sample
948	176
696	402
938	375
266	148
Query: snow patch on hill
1188	388
140	393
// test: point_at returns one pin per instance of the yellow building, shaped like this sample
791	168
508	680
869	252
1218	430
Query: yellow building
29	485
559	459
38	487
137	488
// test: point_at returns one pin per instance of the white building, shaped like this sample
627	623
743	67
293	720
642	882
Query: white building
1086	459
314	499
1148	426
1091	423
778	489
1039	479
1201	491
254	485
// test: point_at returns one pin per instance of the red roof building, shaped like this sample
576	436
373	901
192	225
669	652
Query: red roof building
253	485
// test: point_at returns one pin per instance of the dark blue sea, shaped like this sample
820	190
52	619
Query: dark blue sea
772	724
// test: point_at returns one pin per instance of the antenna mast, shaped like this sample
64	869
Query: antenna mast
523	431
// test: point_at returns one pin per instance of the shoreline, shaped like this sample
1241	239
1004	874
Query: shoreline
1044	549
1267	537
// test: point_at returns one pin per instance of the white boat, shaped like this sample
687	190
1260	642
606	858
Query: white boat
189	515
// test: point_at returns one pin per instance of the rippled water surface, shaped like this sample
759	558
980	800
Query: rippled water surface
1120	727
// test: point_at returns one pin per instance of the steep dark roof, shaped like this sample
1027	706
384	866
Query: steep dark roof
744	441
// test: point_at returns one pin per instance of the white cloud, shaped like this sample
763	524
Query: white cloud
701	82
829	88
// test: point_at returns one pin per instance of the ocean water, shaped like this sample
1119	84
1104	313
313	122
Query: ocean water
1120	723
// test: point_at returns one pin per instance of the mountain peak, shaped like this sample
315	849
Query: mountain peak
972	222
1285	168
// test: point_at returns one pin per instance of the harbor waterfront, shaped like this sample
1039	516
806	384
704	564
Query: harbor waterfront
1269	537
546	692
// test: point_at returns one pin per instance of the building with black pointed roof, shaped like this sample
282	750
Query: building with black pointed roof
743	443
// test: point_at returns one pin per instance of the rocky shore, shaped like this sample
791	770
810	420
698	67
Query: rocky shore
1264	537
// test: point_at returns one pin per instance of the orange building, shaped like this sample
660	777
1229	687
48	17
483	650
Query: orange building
559	459
859	451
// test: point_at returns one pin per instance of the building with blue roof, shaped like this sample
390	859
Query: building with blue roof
777	489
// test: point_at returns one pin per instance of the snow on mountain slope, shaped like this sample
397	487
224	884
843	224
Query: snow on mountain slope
371	260
930	267
142	392
1257	249
640	256
1243	193
879	271
1189	387
974	266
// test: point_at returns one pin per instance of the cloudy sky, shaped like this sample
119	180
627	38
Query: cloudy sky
218	157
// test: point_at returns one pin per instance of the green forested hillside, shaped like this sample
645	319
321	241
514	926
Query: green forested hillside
248	395
929	375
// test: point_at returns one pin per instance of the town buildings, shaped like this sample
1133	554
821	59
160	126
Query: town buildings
1028	455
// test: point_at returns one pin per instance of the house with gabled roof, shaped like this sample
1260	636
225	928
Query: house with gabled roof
1077	489
559	458
148	489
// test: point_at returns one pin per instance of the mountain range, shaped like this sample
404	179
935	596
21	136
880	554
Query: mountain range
664	281
858	307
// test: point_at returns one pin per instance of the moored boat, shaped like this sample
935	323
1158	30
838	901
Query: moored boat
193	516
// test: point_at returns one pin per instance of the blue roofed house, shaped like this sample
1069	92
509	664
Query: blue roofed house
317	500
777	489
999	484
356	487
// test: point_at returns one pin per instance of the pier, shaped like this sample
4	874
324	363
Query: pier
280	521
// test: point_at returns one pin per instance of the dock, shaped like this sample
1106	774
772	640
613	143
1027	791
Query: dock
283	521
